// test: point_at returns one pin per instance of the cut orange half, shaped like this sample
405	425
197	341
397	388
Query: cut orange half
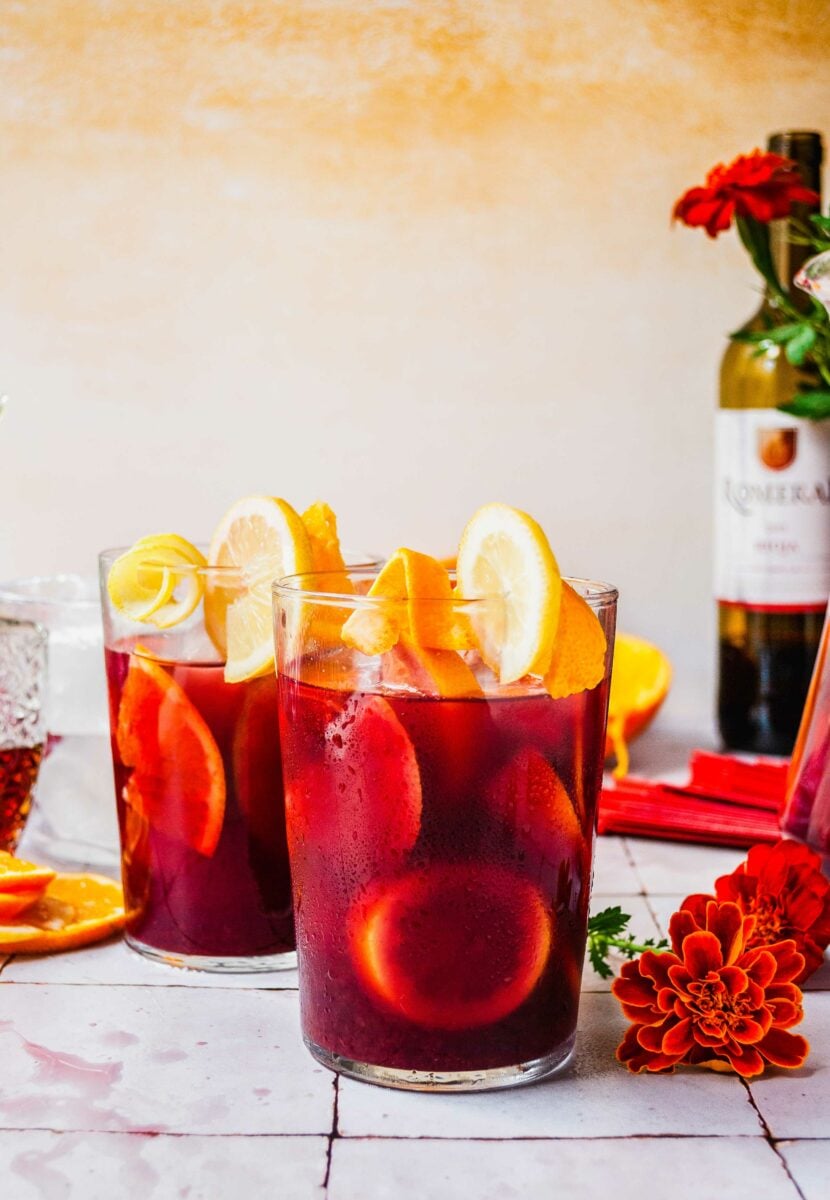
18	875
640	681
178	779
260	539
73	911
504	554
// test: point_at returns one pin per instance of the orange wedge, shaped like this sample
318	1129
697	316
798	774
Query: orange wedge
18	875
578	660
431	672
640	681
376	629
73	911
260	539
321	526
178	778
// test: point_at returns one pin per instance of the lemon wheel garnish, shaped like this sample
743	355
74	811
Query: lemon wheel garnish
157	581
504	553
260	539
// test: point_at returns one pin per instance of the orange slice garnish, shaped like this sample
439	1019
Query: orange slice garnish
430	672
178	778
460	973
321	526
578	661
376	629
73	911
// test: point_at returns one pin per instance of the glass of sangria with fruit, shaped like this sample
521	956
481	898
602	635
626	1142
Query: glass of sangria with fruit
442	738
193	717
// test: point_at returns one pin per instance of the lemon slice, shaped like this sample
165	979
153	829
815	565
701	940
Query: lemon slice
504	553
154	582
259	539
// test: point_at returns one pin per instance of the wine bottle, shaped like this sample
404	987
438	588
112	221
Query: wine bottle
772	517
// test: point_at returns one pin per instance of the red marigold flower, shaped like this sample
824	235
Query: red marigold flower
763	186
783	888
711	1001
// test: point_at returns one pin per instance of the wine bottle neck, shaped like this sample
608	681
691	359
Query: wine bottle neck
788	257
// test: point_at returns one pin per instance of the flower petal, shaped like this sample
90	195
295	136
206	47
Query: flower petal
679	1038
702	954
784	1049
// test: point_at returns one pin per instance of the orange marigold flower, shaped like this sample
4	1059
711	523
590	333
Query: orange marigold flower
783	888
762	186
711	1001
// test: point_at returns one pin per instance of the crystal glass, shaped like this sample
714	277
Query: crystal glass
198	787
22	730
72	823
806	813
440	847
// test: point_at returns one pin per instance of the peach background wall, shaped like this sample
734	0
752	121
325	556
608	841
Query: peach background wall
404	256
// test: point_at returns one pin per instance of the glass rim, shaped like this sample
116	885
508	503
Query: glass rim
232	575
599	595
31	590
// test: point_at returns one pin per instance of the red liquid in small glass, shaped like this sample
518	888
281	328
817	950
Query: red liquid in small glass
236	900
19	766
441	856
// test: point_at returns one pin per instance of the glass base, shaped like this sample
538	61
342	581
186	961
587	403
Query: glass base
447	1081
221	964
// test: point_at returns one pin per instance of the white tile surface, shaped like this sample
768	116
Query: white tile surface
673	867
178	1060
597	1097
114	962
659	1168
796	1104
36	1165
613	872
809	1165
642	925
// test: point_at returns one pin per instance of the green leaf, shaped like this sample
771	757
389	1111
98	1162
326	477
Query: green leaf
776	333
755	237
820	222
815	405
800	345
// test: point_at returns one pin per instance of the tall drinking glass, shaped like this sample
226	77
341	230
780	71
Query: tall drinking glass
198	787
22	730
440	828
72	824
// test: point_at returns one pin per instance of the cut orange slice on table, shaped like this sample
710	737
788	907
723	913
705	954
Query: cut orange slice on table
578	660
640	682
73	911
178	779
472	970
260	539
504	554
16	874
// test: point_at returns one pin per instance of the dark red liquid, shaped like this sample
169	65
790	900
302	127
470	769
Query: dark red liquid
441	856
19	766
235	899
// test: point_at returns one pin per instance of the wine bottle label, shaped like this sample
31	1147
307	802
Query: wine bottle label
772	510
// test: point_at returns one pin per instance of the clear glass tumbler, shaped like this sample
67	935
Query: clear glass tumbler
22	729
72	824
198	787
440	829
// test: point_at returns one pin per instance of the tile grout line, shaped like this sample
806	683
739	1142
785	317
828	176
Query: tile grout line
335	1133
771	1142
632	862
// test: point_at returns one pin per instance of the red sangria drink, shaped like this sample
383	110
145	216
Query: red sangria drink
195	739
440	825
200	810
